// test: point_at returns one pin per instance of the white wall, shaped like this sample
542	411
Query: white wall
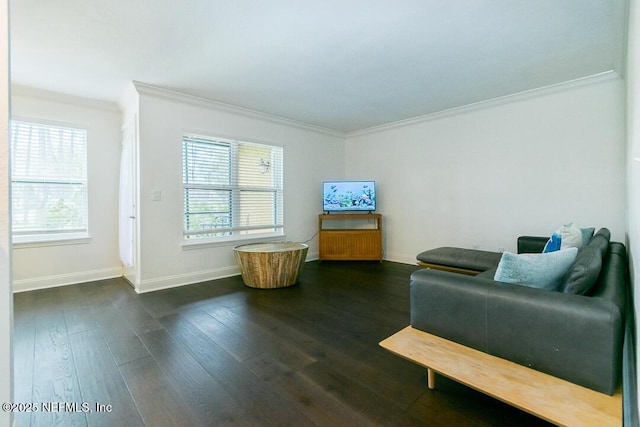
633	141
311	156
483	175
46	266
6	298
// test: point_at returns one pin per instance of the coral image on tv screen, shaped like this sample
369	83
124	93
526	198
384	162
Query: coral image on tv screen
349	196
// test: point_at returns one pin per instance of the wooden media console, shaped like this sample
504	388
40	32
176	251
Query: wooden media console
357	236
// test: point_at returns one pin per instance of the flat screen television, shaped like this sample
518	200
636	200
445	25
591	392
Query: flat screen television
344	196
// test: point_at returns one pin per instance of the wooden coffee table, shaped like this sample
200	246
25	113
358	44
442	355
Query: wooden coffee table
271	265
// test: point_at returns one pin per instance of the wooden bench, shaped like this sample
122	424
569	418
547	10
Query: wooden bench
550	398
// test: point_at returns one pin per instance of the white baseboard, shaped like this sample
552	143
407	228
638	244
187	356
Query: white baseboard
312	256
401	258
34	283
165	282
148	285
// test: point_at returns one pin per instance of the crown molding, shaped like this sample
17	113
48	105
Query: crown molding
506	99
41	94
159	92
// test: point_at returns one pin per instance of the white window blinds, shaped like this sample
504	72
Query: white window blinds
231	188
48	181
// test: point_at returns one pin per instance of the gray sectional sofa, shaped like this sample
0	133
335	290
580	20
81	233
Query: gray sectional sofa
574	333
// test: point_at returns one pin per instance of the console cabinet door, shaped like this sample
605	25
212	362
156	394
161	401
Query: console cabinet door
351	244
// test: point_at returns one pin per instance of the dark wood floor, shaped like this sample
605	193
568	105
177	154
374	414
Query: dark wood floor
219	353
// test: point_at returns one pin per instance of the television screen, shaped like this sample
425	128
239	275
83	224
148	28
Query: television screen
349	196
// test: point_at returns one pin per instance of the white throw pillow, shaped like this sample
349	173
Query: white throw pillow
571	236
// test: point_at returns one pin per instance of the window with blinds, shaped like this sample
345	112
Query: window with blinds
48	182
232	189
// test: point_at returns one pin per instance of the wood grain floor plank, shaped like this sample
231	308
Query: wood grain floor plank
240	347
158	402
236	319
121	338
55	378
192	381
140	321
127	349
79	319
379	410
311	399
23	344
101	382
262	406
111	323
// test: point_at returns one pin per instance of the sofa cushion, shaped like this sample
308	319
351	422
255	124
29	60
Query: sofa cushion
470	259
544	271
584	271
488	274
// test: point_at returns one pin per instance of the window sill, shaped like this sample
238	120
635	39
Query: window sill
24	242
231	241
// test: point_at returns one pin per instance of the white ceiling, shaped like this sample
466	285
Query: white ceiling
341	64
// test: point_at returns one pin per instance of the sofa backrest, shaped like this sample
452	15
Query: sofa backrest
584	272
531	244
615	271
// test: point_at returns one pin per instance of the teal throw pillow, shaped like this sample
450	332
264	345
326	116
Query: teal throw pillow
587	234
544	270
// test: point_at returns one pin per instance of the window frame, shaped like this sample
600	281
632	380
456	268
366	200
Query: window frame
195	238
52	237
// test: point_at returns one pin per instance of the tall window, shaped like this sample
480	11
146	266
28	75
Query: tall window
48	182
231	188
